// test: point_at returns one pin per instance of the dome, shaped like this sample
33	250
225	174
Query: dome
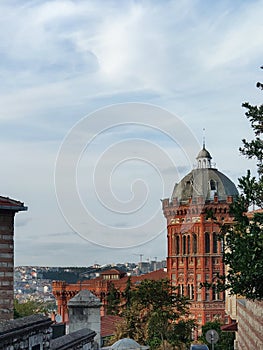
125	344
204	154
204	181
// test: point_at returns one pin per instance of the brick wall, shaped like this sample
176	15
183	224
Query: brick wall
6	264
250	325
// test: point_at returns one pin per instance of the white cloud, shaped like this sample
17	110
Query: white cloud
61	60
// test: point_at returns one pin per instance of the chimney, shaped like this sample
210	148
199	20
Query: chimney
84	312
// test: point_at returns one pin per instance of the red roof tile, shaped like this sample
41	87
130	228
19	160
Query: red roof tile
11	204
232	327
108	324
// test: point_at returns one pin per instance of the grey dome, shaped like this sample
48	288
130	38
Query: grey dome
125	344
204	154
206	182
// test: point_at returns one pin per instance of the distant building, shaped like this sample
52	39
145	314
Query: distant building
8	209
199	202
99	286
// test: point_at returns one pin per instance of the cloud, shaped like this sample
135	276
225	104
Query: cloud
22	221
61	60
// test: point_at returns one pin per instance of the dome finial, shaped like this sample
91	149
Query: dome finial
203	138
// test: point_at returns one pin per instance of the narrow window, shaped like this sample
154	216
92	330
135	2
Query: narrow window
188	244
177	245
194	243
215	240
207	242
212	185
184	245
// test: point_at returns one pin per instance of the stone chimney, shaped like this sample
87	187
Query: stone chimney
84	312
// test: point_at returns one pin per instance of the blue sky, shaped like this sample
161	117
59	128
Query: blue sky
62	61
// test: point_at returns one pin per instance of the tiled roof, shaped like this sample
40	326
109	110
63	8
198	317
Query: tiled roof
232	327
154	275
108	324
11	204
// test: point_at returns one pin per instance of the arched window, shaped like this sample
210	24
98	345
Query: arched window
207	242
177	245
188	244
215	241
212	185
184	244
194	243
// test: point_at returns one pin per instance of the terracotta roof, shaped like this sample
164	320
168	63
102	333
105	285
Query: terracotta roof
108	324
11	204
154	275
232	327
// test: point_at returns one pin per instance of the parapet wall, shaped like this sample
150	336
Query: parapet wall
35	333
32	332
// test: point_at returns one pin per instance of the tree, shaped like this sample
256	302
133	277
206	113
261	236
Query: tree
113	300
226	339
156	316
244	239
29	307
128	292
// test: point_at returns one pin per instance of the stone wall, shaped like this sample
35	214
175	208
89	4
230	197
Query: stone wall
84	311
250	325
32	333
35	333
79	340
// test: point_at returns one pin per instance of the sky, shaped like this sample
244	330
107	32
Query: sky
103	106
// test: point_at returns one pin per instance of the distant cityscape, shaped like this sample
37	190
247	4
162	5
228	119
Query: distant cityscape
35	282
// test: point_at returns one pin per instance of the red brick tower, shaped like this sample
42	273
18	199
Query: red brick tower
8	209
199	201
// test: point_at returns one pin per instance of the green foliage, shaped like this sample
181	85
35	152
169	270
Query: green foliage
226	339
127	294
156	315
70	276
113	300
28	308
244	238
